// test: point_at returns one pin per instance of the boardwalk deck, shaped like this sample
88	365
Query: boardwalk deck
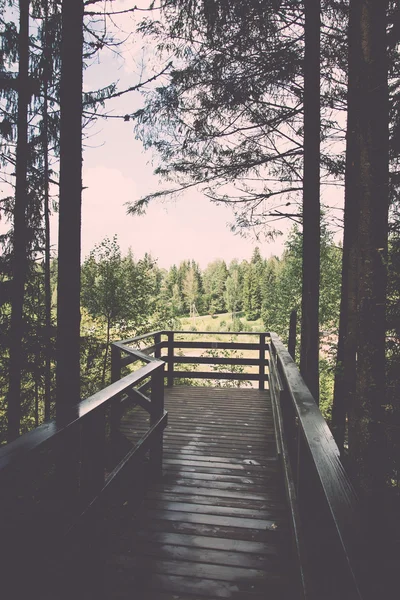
216	525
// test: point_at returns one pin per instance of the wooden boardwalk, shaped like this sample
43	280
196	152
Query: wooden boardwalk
216	525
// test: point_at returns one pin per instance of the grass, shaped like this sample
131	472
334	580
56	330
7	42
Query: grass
218	324
221	322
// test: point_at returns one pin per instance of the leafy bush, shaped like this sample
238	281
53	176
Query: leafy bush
326	383
237	325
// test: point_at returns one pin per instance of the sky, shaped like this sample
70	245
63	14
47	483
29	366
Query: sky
117	170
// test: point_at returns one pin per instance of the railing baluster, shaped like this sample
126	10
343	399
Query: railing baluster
157	402
93	455
170	359
66	480
115	410
261	384
292	334
157	342
115	363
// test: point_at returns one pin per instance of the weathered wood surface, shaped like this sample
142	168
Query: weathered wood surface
216	524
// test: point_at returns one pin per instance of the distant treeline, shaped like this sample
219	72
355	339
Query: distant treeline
259	288
123	296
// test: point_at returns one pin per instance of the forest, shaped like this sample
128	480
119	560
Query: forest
242	296
260	105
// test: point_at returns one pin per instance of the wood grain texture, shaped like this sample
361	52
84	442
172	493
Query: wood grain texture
216	525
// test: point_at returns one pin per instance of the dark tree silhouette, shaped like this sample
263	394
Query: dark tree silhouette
309	351
360	378
69	244
20	233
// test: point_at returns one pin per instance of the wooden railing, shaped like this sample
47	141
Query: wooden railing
171	341
323	502
54	479
54	476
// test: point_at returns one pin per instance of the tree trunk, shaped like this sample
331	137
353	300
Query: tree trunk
47	259
20	258
69	241
309	352
345	376
366	437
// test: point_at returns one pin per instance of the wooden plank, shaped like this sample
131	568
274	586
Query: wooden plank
245	439
218	472
223	333
217	557
198	439
216	501
216	525
218	520
195	570
144	336
209	360
204	451
214	431
204	588
203	542
238	426
215	375
215	475
220	464
212	529
121	594
211	492
191	507
217	345
244	486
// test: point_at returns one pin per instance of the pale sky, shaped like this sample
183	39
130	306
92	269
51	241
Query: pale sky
116	170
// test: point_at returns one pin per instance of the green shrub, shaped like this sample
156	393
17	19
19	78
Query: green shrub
237	325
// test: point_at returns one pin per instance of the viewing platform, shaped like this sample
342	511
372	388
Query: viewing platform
216	525
159	490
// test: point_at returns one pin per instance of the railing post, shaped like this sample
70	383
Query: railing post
93	455
292	334
115	410
157	342
170	359
157	405
261	378
115	363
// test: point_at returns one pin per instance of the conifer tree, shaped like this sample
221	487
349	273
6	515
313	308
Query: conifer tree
69	242
309	356
368	97
20	234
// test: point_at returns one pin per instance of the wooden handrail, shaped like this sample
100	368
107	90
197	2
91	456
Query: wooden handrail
315	461
53	478
16	451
